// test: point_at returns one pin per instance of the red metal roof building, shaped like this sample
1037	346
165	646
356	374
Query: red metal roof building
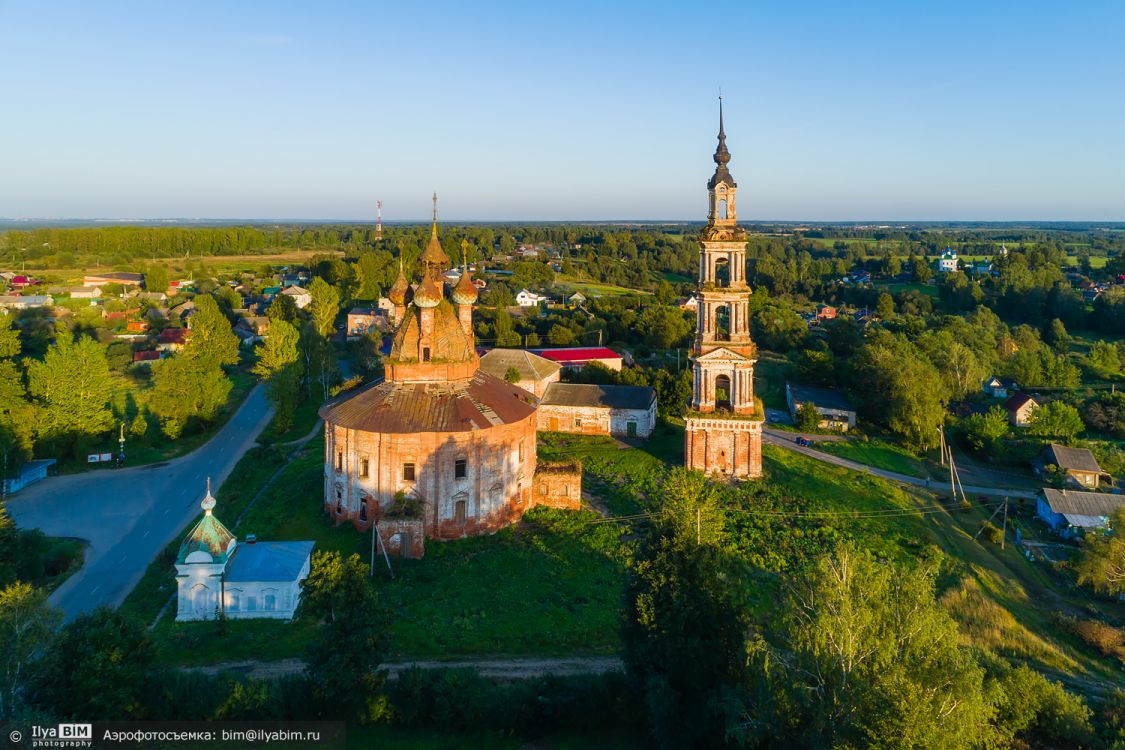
579	357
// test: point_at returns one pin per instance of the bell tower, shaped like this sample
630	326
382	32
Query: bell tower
724	422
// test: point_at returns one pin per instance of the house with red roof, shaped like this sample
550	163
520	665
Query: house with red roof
171	339
577	357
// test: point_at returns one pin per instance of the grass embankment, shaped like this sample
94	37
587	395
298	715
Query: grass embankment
304	419
877	453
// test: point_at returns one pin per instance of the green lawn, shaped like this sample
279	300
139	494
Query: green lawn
304	419
877	453
770	375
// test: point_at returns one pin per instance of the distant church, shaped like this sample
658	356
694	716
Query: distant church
438	448
723	425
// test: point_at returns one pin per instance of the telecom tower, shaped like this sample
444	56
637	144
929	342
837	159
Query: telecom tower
378	221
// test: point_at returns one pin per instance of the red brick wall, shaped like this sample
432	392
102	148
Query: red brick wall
730	447
559	487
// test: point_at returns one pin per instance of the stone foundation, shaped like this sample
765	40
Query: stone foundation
403	537
724	447
559	485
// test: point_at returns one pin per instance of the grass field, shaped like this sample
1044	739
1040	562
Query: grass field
877	453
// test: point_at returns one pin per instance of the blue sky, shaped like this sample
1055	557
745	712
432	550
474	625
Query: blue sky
562	111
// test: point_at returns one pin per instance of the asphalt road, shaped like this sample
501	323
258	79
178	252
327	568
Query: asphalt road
128	515
788	440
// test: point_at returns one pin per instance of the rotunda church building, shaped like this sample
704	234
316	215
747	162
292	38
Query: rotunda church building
437	447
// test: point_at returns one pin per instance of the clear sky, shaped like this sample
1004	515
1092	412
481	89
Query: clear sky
980	110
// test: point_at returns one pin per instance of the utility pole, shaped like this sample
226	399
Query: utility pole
698	525
1004	527
941	433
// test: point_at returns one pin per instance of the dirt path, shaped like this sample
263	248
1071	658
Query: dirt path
501	668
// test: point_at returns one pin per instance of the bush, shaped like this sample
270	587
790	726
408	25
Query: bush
1108	640
993	533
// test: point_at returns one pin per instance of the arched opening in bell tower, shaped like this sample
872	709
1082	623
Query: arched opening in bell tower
722	272
722	392
722	323
721	211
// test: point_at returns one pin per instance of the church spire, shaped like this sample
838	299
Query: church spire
722	155
433	257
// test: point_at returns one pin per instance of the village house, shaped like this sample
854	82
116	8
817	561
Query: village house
171	339
1071	513
999	387
76	292
575	358
1020	407
146	358
363	320
836	412
136	326
529	299
691	304
578	299
216	576
113	277
826	312
535	373
1079	465
618	410
22	282
300	295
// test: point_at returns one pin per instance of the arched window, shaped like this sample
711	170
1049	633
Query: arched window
363	511
200	598
721	209
722	323
722	392
269	600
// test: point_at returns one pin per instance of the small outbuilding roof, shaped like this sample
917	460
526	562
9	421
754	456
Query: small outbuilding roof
530	366
267	561
1073	503
1076	459
604	396
578	354
824	398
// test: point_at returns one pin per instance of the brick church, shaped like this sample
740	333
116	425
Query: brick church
723	424
438	448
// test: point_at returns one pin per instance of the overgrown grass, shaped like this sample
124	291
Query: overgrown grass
304	419
877	453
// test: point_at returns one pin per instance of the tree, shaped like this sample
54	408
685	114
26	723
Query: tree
1101	566
560	335
683	634
512	375
1104	359
96	669
72	388
920	270
283	308
352	643
900	389
983	431
9	337
185	388
320	367
324	306
505	334
662	327
861	655
885	306
808	418
156	278
27	629
1056	336
211	341
279	365
1056	419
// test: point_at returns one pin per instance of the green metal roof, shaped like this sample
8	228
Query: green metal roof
209	535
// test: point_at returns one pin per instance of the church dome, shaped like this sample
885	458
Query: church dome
209	536
465	293
400	292
428	293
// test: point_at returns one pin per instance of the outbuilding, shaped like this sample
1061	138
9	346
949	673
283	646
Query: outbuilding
618	410
1072	513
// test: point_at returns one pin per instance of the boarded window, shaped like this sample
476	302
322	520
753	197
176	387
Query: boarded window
408	472
364	467
340	461
460	468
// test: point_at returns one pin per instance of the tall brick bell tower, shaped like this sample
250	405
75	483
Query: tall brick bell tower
723	422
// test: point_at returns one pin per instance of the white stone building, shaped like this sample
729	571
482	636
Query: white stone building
618	410
216	575
301	296
529	299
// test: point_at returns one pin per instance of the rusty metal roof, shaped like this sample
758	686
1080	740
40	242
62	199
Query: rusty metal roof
476	403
